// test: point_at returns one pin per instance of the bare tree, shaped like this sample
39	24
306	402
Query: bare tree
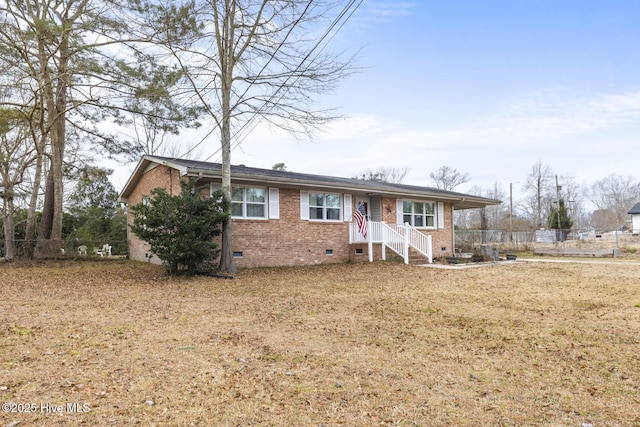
604	220
469	218
384	174
448	178
616	194
495	217
17	154
539	187
250	60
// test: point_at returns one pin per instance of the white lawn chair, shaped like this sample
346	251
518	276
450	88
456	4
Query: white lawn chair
106	250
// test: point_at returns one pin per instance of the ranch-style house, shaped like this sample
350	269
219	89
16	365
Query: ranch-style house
288	218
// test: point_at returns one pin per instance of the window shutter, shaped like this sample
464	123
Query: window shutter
347	211
440	215
304	205
399	215
274	203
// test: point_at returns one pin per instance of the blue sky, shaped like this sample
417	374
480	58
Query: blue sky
487	87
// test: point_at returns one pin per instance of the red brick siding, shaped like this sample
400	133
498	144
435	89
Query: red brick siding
285	241
389	210
160	176
441	237
288	240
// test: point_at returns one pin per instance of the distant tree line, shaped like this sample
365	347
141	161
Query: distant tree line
93	218
550	200
556	202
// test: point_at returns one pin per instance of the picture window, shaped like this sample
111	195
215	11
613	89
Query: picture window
248	202
324	207
419	214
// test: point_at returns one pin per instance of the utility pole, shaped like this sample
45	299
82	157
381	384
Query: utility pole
511	212
558	188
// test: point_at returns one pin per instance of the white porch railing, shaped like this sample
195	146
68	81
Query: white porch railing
397	237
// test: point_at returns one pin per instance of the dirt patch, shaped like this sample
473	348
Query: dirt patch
359	345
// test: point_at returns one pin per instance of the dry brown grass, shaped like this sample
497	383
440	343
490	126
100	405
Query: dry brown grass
357	345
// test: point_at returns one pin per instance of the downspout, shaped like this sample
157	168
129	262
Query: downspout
198	178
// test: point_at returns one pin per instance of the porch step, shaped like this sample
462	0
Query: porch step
418	260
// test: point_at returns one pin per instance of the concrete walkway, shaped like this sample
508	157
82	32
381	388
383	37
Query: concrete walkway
467	265
578	261
521	260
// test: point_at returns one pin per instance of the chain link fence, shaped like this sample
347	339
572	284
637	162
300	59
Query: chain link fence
65	249
469	240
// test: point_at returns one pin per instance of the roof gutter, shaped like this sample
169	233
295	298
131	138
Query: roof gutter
317	184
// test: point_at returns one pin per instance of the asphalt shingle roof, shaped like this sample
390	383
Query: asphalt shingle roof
258	172
242	172
635	209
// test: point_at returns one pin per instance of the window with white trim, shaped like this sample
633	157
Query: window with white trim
248	202
324	207
419	214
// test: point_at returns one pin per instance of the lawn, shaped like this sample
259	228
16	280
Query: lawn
117	343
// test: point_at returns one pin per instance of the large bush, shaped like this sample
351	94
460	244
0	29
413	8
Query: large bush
181	229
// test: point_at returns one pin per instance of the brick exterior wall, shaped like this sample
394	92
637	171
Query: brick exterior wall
160	176
442	237
289	240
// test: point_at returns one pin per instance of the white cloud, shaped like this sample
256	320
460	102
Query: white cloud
387	10
584	138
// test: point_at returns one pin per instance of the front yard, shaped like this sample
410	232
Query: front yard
117	343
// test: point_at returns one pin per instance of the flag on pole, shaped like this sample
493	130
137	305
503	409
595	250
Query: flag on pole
361	220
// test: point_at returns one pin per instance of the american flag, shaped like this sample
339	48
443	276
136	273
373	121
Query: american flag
361	219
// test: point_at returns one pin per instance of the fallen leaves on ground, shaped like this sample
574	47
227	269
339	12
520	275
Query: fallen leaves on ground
349	344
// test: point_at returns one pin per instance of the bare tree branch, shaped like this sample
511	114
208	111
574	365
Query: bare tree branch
448	178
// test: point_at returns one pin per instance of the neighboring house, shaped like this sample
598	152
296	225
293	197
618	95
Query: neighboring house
287	218
635	218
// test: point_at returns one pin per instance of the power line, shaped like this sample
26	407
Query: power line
338	19
250	124
264	67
